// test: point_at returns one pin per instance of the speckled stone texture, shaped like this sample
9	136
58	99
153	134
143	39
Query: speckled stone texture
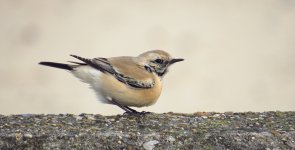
201	130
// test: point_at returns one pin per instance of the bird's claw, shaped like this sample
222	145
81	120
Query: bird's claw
136	113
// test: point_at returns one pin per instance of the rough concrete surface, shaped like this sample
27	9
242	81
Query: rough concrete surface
201	130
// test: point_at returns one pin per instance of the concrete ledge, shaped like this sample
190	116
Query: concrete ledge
202	130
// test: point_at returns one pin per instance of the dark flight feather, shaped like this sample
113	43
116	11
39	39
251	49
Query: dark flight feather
57	65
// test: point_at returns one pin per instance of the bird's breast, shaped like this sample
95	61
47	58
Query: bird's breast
130	96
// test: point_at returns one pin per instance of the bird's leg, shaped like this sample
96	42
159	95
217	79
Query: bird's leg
128	109
134	111
122	107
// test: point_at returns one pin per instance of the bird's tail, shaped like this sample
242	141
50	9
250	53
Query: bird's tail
57	65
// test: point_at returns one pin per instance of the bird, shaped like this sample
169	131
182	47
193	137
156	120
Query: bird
124	81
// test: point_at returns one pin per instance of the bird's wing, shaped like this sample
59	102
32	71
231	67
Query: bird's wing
100	64
120	68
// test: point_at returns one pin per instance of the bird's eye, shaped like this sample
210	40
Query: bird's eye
159	61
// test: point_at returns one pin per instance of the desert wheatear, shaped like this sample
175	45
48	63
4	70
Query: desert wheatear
123	81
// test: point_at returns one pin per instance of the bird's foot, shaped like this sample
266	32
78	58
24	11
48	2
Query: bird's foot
136	113
145	112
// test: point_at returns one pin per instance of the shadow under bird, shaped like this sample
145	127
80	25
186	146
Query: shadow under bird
124	81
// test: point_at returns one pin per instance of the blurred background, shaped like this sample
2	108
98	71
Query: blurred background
239	55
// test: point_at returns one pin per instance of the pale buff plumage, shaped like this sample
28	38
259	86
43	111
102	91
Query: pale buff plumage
148	68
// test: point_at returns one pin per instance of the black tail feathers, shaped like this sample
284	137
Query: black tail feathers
57	65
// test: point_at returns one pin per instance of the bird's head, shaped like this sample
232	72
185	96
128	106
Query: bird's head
157	61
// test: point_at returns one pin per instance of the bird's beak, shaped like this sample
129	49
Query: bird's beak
175	60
